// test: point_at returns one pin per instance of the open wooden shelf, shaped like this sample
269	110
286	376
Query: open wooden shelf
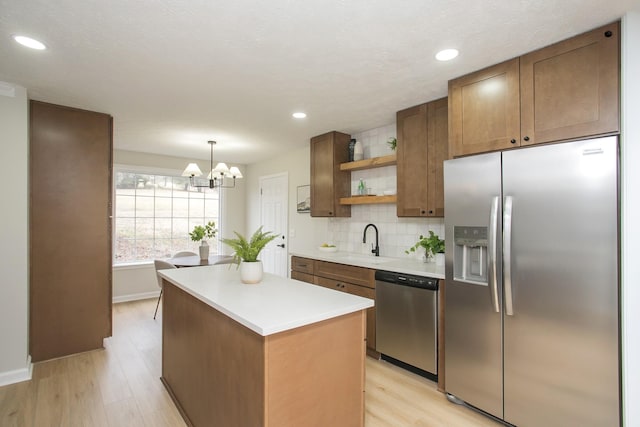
374	162
363	200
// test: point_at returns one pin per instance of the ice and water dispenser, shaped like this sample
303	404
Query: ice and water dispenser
470	263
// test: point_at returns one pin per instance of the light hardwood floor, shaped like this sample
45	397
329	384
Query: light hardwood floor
119	386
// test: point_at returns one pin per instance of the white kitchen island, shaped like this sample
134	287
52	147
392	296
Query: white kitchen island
279	353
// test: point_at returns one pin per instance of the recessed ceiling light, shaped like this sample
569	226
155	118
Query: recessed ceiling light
29	42
299	115
446	54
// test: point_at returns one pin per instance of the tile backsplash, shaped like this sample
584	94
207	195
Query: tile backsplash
395	234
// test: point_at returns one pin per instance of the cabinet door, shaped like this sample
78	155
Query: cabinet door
365	292
484	110
571	89
322	176
303	277
303	265
70	230
413	174
423	146
328	182
437	153
349	273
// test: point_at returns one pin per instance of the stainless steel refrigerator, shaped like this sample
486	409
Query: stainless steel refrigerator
532	288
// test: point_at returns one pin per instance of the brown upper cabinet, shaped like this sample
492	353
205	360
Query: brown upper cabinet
328	182
422	148
564	91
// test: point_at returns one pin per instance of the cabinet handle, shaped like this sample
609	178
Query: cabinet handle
422	212
430	212
608	33
330	213
526	138
513	141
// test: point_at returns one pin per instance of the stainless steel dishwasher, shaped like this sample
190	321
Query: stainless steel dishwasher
407	321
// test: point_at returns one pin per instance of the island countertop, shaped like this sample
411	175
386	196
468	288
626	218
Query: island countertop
276	304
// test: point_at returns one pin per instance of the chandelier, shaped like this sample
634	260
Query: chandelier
216	175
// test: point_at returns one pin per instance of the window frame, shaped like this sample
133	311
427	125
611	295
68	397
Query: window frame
147	170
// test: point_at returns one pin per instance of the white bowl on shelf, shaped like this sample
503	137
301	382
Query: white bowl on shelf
328	248
389	192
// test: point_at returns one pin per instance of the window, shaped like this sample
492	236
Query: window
155	213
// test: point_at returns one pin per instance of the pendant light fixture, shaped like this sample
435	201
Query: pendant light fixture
216	175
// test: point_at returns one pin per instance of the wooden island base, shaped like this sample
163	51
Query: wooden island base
220	373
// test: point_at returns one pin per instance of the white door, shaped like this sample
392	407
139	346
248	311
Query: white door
274	202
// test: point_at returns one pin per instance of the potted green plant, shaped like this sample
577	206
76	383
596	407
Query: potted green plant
393	142
246	253
433	247
201	234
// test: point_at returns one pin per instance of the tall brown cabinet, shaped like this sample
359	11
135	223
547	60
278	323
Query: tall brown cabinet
70	167
423	146
328	182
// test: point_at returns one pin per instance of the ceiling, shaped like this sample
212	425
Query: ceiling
176	73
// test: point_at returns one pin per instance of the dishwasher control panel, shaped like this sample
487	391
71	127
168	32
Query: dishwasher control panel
407	280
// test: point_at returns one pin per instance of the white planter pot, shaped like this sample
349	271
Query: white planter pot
439	259
204	250
251	272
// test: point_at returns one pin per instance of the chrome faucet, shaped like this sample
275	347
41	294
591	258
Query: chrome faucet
375	250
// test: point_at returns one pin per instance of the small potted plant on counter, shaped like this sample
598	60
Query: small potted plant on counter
202	234
246	253
433	247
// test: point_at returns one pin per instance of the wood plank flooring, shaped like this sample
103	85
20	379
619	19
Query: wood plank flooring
120	386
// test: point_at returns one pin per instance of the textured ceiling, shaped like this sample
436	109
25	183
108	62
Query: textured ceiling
177	73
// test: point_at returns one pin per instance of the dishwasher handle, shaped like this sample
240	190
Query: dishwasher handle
428	283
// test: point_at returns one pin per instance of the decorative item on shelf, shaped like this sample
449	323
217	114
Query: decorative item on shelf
246	253
433	247
202	234
216	175
393	142
358	151
362	188
352	144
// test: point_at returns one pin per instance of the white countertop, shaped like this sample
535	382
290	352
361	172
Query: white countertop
408	265
274	305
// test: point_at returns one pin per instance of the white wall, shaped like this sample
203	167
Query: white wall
135	282
14	282
302	228
630	216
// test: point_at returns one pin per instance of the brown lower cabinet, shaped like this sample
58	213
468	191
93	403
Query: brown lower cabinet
221	374
341	277
70	230
345	278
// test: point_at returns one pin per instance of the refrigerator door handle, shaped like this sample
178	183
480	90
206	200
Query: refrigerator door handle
493	236
508	295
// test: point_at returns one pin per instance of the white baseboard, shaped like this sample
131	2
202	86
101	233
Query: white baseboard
17	375
135	297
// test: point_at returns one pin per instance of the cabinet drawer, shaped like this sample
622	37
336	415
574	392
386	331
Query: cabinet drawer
303	277
336	285
346	273
303	265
